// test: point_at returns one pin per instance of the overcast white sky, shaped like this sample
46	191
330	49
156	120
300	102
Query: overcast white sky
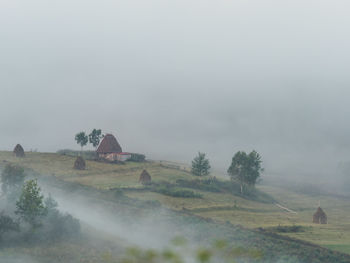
170	78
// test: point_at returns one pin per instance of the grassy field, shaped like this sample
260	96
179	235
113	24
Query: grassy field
222	207
97	174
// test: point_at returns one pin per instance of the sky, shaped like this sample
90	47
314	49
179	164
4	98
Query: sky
170	78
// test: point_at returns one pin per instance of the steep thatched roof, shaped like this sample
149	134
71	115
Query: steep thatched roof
18	151
145	177
319	217
79	163
109	144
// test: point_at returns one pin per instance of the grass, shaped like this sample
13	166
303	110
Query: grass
97	174
220	206
339	247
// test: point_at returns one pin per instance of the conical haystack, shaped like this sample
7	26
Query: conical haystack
319	217
79	163
18	151
145	178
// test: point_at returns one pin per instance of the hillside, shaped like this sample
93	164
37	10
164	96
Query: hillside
221	207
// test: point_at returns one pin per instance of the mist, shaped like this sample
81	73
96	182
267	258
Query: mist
171	78
107	220
154	229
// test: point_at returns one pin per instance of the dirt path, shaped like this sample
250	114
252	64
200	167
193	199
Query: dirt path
285	208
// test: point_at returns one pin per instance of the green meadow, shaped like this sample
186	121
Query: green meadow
221	207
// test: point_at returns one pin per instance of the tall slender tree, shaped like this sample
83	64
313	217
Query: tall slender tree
82	139
200	165
30	206
95	137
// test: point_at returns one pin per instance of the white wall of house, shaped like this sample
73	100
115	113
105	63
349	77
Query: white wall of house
117	157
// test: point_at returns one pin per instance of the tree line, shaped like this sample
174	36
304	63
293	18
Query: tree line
244	168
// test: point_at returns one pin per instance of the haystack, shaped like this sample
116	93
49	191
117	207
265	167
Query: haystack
79	163
109	144
319	217
145	178
18	151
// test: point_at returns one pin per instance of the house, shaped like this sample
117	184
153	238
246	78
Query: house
110	150
109	145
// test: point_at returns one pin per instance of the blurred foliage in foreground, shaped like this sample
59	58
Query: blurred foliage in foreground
181	252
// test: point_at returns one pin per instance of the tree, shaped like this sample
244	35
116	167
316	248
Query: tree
7	224
30	206
245	168
50	204
12	179
82	139
95	136
200	165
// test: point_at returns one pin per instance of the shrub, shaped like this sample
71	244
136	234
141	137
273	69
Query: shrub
55	225
87	155
7	224
287	229
176	192
137	157
205	185
12	180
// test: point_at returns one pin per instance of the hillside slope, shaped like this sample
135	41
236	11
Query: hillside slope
221	207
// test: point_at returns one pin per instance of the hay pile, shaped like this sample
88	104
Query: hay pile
79	163
18	151
145	178
319	217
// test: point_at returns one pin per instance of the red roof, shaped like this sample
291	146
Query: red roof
109	144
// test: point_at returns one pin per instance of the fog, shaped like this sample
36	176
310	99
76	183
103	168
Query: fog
170	78
148	230
113	226
17	259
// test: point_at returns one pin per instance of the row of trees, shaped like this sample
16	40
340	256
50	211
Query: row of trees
245	168
94	138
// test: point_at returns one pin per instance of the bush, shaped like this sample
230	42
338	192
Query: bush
287	229
7	224
58	226
54	225
12	180
205	185
87	155
137	157
176	192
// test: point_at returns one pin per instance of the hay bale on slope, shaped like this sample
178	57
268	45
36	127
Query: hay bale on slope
79	163
145	177
18	151
319	217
